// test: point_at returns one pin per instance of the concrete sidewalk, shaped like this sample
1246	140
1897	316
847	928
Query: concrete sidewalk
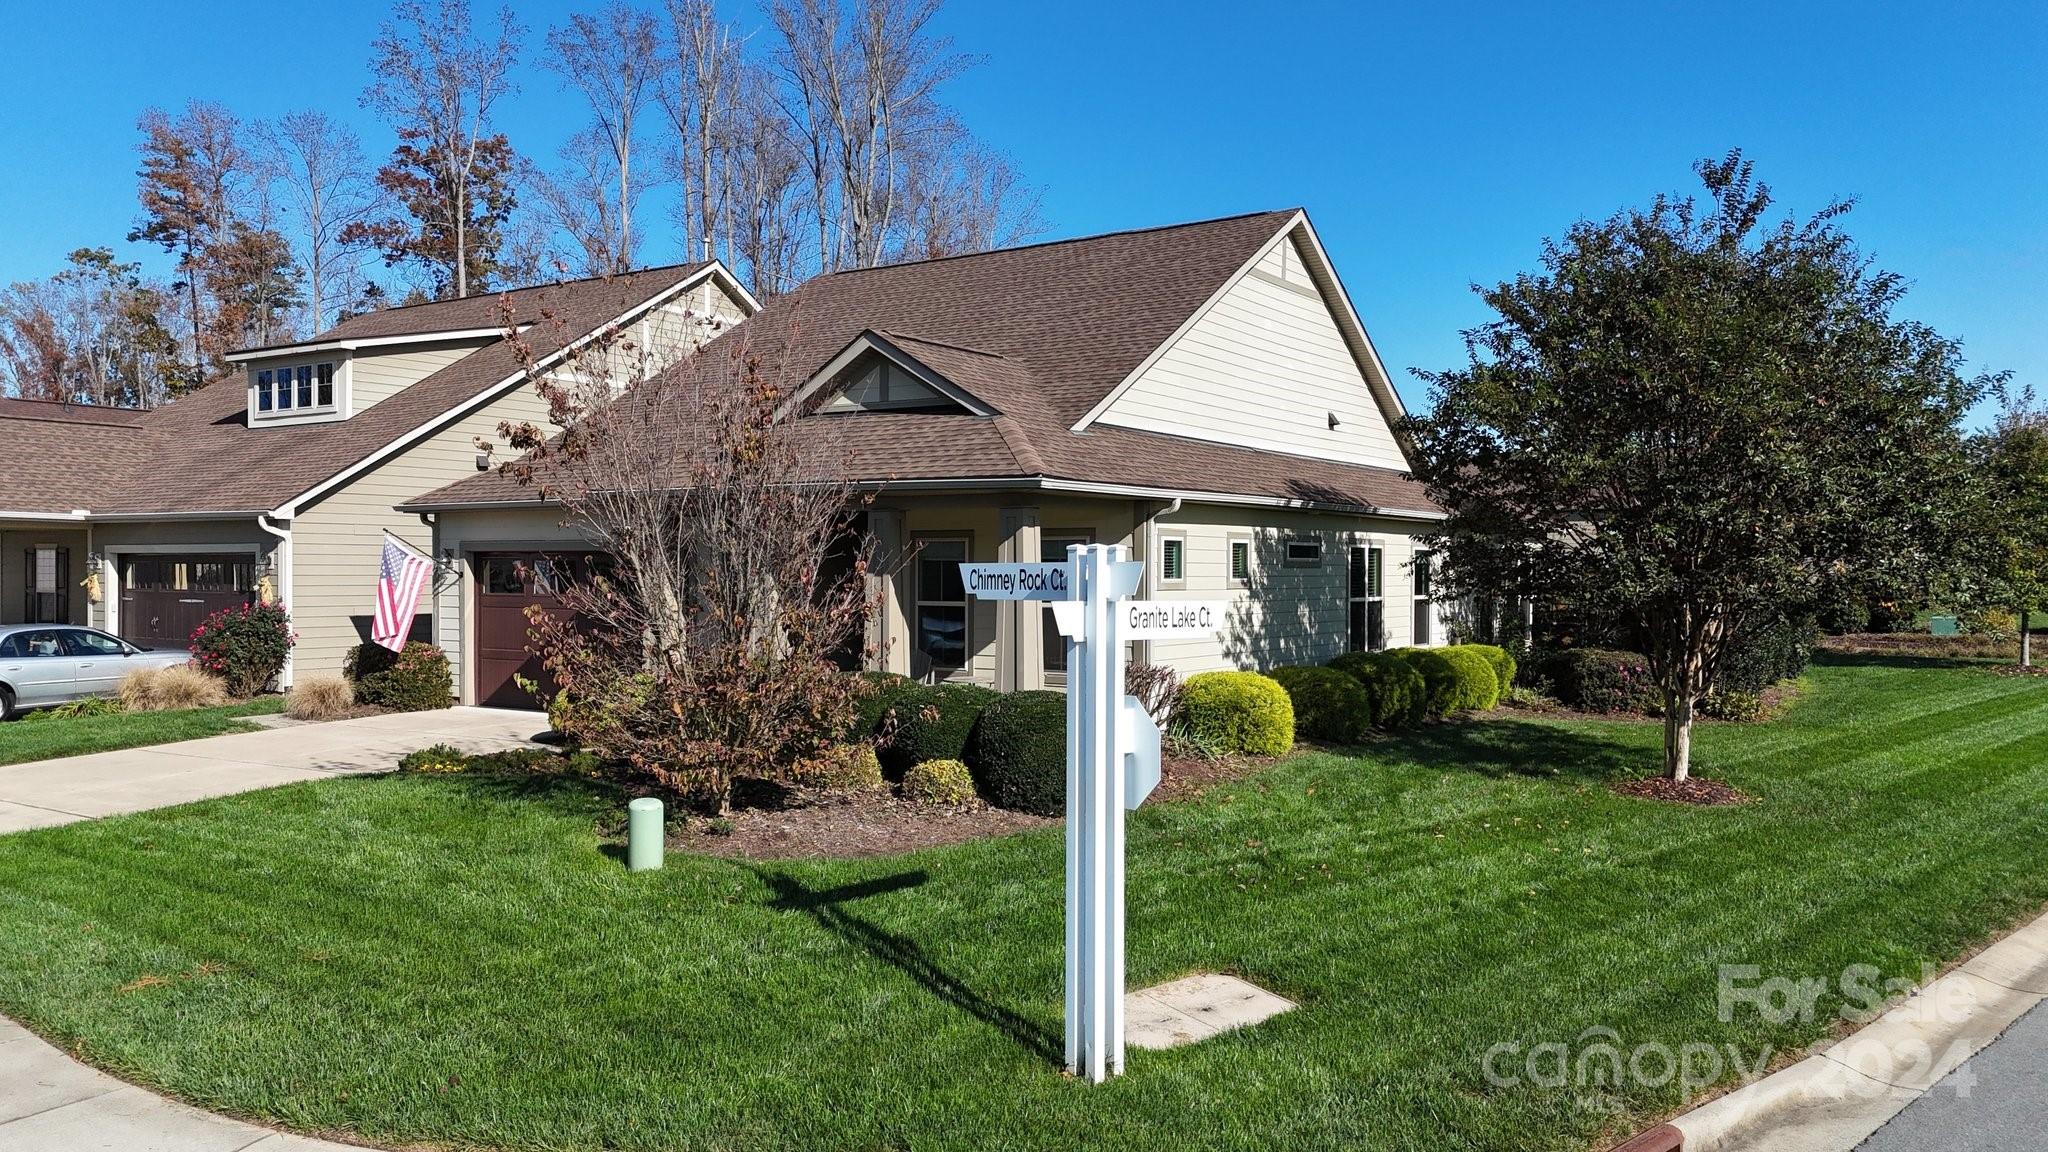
48	792
52	1103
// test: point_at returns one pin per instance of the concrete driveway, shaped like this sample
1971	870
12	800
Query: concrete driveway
48	792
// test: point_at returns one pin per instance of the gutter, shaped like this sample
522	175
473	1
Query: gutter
284	584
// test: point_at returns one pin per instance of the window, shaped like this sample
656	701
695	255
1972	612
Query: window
884	385
1173	559
49	585
31	645
1053	550
942	605
301	388
1305	553
84	643
1241	561
1367	622
1425	609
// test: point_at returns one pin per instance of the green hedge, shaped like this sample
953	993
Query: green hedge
1395	688
882	691
931	723
416	679
1238	712
1475	685
1328	704
1602	680
1439	680
1503	662
1018	752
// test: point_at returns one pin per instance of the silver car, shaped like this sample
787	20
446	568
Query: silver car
45	664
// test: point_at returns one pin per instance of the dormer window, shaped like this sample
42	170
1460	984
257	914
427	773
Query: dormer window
294	390
884	386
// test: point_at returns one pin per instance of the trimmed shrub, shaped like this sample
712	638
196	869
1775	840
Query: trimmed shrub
319	698
416	679
938	782
1018	752
1396	690
437	759
1439	679
165	689
1766	653
931	723
1727	704
244	646
841	768
1603	680
881	691
1475	684
1503	662
1328	704
1238	712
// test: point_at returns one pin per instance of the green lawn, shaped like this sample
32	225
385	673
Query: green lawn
460	961
47	736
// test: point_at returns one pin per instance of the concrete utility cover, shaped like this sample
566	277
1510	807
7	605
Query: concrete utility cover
1195	1008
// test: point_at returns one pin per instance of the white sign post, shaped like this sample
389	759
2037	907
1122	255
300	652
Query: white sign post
1112	765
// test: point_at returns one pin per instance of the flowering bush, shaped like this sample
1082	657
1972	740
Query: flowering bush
244	646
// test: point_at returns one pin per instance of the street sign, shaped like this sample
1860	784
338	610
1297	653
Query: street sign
1170	619
1017	581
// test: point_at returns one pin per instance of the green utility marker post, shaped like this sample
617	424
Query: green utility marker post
643	835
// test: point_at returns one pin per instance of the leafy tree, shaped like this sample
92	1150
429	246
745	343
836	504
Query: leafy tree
189	165
436	82
1688	420
2012	526
91	334
459	255
258	284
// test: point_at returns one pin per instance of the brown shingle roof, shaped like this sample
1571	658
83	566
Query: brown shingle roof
1041	334
199	455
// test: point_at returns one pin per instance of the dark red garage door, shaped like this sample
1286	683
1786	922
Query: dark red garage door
163	598
507	584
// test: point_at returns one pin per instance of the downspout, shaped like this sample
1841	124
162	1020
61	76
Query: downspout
1148	580
284	583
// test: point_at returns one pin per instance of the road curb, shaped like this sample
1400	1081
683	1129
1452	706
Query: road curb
1833	1100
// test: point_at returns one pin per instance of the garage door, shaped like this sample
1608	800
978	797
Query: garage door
507	584
163	598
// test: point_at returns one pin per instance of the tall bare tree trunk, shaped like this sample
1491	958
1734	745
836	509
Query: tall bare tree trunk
2026	637
1677	736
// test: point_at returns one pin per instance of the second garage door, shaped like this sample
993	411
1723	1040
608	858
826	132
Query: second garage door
507	584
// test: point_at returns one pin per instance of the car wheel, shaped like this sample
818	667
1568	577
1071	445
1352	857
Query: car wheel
6	703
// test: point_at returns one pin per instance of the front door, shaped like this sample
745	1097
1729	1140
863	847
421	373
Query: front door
164	598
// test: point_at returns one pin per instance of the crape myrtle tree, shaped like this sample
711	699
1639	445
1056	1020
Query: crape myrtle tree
709	647
1688	422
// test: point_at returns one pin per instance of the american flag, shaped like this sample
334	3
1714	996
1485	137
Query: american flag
399	581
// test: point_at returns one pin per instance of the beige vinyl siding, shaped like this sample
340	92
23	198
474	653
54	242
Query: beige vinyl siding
1266	367
375	376
1284	614
337	543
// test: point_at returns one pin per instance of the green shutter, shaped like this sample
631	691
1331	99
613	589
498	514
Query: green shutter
1372	572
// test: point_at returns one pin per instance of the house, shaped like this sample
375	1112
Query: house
282	477
1204	394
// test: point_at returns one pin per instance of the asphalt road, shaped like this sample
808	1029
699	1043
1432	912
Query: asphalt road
1998	1100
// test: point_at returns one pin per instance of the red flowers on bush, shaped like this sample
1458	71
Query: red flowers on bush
244	646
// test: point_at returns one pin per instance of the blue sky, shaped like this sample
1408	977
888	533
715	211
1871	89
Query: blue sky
1434	145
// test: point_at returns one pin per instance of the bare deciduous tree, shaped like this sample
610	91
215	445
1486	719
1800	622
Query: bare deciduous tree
710	649
703	64
326	189
612	57
436	81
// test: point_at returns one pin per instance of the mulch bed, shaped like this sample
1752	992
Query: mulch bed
788	825
1697	790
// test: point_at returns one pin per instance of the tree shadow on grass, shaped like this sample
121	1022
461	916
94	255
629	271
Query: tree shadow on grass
827	908
1500	748
1908	661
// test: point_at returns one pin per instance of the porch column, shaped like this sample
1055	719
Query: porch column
888	632
1020	632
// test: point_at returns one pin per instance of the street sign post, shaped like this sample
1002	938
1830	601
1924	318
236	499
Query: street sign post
1112	764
